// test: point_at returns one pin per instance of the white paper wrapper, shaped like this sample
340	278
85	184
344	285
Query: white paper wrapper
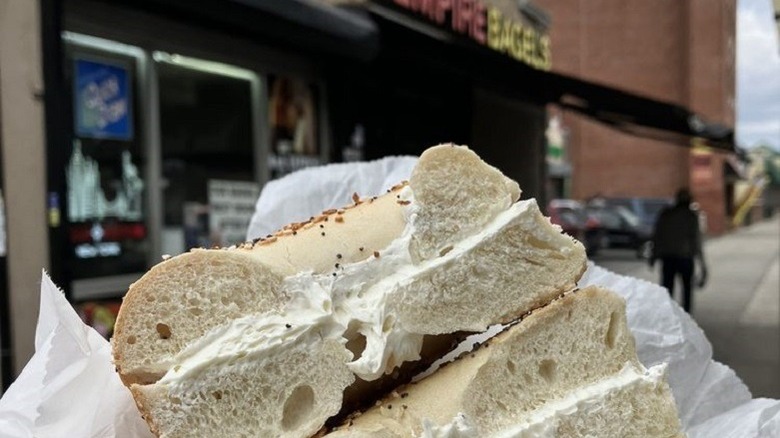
712	401
69	387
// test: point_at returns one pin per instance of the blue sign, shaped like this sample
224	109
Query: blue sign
103	100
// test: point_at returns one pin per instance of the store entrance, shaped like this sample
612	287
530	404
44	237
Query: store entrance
164	156
208	129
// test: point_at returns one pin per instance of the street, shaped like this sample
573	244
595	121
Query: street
739	308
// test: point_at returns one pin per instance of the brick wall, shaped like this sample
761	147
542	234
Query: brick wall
671	50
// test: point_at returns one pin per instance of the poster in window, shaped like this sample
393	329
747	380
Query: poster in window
230	208
102	100
293	122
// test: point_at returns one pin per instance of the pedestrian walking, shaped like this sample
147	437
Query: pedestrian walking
677	242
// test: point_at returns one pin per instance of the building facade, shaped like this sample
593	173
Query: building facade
137	129
133	129
681	52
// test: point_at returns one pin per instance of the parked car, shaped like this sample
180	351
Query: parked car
574	220
622	229
646	209
632	220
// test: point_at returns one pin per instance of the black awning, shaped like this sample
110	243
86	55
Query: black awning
344	31
302	25
625	111
639	115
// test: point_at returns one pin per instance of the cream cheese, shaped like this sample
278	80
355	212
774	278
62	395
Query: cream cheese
544	422
460	427
257	336
326	305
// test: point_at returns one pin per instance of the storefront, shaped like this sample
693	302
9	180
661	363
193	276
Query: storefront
169	128
450	72
163	120
166	131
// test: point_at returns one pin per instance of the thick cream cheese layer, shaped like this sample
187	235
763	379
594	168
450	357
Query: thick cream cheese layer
355	299
460	427
543	422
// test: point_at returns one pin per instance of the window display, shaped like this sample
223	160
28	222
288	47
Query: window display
293	122
105	220
102	100
208	150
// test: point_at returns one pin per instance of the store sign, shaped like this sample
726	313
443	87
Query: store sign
556	143
488	26
102	100
231	206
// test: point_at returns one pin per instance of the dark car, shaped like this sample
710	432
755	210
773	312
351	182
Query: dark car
622	228
646	209
571	216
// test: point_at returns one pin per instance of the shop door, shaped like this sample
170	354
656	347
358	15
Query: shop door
209	136
164	156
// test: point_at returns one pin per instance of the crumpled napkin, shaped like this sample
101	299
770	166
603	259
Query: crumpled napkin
711	400
69	388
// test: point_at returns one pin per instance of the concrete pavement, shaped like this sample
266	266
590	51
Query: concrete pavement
739	308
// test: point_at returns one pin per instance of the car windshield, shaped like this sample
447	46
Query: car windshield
625	203
630	218
570	216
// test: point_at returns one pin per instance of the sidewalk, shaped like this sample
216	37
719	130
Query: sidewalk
739	309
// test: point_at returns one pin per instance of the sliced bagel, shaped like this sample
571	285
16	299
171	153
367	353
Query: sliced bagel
361	303
567	369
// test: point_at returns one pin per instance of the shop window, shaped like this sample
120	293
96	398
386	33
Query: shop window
106	221
293	123
208	139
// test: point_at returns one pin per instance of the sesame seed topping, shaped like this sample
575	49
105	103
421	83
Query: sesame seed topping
323	233
361	248
288	325
338	256
339	219
376	254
